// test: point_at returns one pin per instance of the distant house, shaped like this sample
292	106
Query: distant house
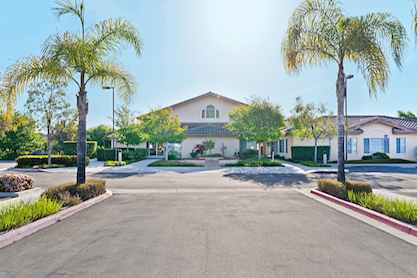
366	135
205	116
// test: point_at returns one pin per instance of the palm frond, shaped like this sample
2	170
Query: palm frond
23	73
114	74
73	8
112	36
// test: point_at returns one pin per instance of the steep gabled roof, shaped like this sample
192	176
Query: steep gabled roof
206	95
207	129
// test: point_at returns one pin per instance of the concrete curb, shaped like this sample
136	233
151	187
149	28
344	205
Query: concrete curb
397	224
24	231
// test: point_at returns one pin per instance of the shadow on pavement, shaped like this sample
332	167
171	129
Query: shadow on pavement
276	180
117	175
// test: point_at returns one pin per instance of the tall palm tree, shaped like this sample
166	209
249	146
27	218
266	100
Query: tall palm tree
86	58
319	33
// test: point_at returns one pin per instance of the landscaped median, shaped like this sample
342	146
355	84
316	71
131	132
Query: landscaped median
358	196
20	219
252	162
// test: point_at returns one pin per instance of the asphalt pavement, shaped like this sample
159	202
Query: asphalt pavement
272	233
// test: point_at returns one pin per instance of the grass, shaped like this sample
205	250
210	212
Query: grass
253	162
399	209
163	163
113	163
48	166
13	216
311	164
377	161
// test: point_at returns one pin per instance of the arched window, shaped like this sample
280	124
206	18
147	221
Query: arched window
210	112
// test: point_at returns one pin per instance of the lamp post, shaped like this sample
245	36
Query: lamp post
350	76
115	150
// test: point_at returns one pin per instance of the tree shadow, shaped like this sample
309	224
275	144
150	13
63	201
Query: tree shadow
276	180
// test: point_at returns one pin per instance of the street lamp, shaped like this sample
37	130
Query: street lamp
350	76
115	151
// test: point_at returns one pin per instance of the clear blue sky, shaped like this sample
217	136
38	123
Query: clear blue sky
230	47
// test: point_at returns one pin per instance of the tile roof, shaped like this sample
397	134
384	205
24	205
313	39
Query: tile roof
207	128
354	122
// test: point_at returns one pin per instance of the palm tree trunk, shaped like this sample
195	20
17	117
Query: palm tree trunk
49	147
315	151
340	92
82	106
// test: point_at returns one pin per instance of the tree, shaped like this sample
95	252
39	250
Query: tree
46	104
85	57
131	135
125	117
159	126
319	33
209	144
408	115
99	134
260	121
23	139
311	121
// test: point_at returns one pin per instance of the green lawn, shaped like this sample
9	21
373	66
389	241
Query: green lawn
377	161
253	162
163	163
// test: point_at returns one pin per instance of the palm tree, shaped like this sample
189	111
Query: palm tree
84	58
319	33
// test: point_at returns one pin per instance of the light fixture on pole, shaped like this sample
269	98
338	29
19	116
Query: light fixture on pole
115	150
350	76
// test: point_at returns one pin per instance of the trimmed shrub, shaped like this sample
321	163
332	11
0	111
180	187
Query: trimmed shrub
340	190
248	153
70	193
15	183
306	153
358	186
31	160
70	148
8	156
114	163
376	155
135	154
332	187
172	157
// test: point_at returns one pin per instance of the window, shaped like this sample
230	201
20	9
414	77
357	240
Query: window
210	112
400	145
247	145
281	145
351	145
373	145
286	145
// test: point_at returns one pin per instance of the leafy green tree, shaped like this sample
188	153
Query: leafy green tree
124	117
406	115
312	122
131	135
260	121
85	57
209	144
23	139
99	134
319	33
159	126
46	104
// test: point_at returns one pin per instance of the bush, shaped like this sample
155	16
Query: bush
193	154
18	214
248	153
31	160
213	155
15	183
376	155
340	190
332	187
114	163
8	156
172	157
109	154
90	189
70	148
311	164
255	163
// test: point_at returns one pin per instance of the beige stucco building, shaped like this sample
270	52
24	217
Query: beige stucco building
366	135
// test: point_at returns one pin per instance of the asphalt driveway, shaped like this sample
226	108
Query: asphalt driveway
274	233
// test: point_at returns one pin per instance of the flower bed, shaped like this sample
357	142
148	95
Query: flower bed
15	182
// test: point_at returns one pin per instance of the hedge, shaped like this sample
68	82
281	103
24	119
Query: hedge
70	148
307	153
248	153
31	160
8	156
109	154
340	189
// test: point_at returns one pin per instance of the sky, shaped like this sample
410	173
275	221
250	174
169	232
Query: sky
229	47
